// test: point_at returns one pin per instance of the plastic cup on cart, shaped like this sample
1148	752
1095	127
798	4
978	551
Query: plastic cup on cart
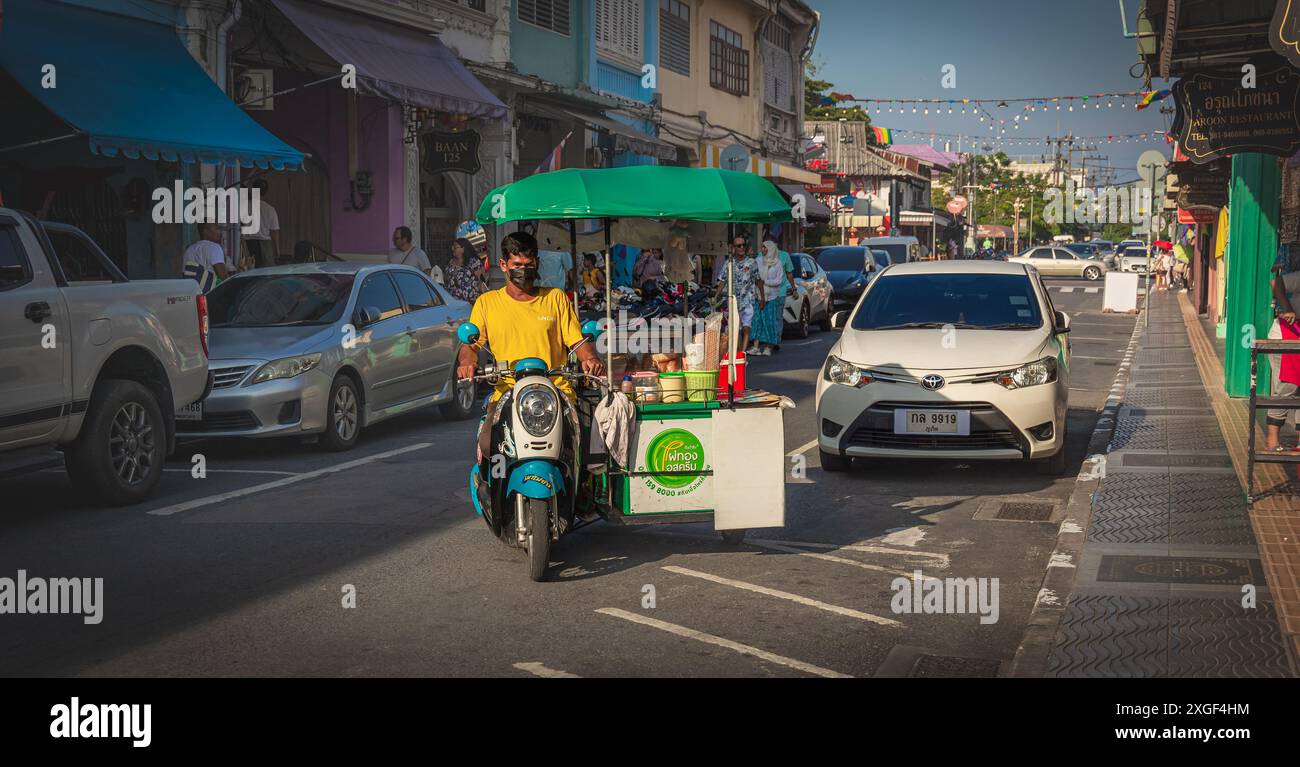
673	387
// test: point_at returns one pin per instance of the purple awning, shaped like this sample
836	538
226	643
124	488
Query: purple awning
395	62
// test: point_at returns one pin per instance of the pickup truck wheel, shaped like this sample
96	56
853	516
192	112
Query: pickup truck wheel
118	457
342	416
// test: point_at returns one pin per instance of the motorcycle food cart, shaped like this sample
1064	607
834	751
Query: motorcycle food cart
714	453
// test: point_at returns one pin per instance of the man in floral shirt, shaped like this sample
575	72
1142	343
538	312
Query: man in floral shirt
745	270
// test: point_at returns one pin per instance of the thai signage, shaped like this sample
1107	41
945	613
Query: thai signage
1218	115
448	152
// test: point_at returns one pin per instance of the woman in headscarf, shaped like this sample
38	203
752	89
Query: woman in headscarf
768	303
462	272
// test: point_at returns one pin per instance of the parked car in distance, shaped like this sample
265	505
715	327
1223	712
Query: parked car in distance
1059	262
94	364
849	268
890	389
328	349
1126	244
1134	259
810	301
902	250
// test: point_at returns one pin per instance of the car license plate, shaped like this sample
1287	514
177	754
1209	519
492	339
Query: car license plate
191	412
955	422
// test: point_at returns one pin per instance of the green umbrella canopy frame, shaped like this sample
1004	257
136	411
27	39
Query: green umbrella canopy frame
638	191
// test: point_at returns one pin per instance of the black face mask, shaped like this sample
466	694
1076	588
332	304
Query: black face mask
523	276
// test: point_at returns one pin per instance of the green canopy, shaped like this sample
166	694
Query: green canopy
638	191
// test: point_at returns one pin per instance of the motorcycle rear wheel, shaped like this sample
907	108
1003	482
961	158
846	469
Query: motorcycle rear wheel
539	537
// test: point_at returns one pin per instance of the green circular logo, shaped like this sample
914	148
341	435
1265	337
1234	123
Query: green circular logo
675	450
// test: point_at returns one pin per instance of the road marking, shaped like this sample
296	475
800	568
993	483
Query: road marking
854	547
1091	290
240	471
816	340
1066	290
537	669
837	560
1095	340
1086	357
211	499
845	611
801	449
743	649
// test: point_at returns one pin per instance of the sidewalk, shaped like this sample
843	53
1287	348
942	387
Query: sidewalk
1161	583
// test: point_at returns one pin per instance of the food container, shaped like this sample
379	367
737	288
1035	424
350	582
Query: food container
701	385
724	374
672	387
647	386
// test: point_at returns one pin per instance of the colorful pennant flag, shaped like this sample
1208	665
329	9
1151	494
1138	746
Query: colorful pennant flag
1152	96
882	136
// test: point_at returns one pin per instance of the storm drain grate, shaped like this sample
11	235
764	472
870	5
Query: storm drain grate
953	667
1024	511
1209	571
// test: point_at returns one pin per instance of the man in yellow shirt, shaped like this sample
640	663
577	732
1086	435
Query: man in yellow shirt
523	320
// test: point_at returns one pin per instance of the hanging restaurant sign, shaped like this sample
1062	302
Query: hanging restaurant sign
1216	116
1284	32
447	151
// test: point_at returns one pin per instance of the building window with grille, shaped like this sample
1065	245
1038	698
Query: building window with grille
675	36
618	28
778	63
728	60
551	15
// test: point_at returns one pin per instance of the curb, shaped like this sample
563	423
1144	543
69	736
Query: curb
1035	650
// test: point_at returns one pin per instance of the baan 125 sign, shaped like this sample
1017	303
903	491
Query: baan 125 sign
448	152
1216	115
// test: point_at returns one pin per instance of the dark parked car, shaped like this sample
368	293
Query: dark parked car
850	268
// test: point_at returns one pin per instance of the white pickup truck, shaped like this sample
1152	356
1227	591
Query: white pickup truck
92	363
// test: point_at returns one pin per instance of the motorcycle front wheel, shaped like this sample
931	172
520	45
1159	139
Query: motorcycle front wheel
537	512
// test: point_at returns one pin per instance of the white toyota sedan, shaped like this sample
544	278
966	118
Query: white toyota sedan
963	360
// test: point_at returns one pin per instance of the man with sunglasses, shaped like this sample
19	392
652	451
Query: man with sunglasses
745	270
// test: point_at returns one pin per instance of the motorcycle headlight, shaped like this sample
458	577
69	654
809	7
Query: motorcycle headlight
285	368
538	409
846	373
1031	374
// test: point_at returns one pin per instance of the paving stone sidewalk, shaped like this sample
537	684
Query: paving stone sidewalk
1170	557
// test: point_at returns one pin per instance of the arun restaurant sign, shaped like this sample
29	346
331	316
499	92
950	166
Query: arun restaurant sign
1219	114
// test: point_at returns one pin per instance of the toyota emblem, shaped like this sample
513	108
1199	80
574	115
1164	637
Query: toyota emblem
932	382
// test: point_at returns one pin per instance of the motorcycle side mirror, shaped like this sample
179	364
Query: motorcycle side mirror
468	333
592	329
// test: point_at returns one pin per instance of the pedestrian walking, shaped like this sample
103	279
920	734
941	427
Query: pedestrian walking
1286	295
405	251
264	244
464	280
744	278
205	260
768	301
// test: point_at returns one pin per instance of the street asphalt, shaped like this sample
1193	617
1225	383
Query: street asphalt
244	572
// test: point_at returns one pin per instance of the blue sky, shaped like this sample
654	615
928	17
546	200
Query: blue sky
1001	49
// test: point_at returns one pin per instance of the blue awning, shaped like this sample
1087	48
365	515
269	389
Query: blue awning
131	87
395	62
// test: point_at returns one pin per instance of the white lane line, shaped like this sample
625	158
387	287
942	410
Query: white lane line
1063	290
853	547
816	340
537	669
784	595
241	471
1086	357
801	449
837	560
1116	340
1091	290
743	649
211	499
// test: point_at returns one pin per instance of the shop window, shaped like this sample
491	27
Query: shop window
728	60
675	36
547	14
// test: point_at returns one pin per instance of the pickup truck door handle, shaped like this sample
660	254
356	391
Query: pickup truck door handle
37	311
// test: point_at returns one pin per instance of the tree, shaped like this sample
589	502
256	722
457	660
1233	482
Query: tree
999	188
815	90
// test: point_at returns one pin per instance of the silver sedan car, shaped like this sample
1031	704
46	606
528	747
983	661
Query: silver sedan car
328	349
1059	262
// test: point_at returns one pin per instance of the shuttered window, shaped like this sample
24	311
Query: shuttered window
547	14
618	28
778	64
728	60
675	36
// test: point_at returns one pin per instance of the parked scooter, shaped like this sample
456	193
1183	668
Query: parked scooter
526	482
